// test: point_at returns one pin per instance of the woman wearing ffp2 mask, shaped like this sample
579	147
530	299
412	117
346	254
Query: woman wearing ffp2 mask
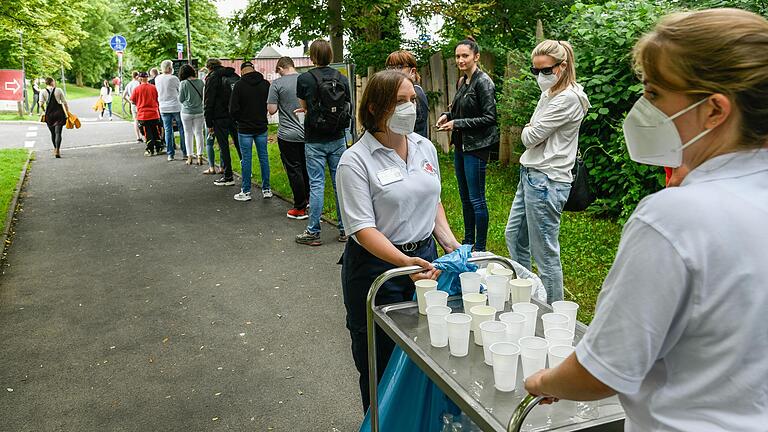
389	195
679	330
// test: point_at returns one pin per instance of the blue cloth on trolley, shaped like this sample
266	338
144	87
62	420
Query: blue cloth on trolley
408	400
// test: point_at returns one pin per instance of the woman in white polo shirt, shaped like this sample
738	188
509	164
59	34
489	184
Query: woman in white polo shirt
389	194
680	330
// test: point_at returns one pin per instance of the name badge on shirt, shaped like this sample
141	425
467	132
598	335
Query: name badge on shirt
389	175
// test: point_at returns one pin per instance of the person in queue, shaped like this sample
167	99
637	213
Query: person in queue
551	139
472	119
679	330
405	62
389	196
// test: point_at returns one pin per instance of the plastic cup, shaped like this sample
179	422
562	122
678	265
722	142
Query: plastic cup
481	314
470	282
300	116
483	273
505	356
515	325
422	286
558	336
472	300
554	320
520	290
503	271
568	308
530	311
493	331
533	352
438	328
558	353
458	333
497	291
436	298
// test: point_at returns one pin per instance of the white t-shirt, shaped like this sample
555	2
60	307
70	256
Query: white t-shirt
681	327
129	88
377	188
552	139
168	93
106	94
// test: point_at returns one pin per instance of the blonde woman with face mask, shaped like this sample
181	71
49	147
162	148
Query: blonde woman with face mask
679	331
551	140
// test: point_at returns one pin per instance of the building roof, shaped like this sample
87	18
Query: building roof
268	52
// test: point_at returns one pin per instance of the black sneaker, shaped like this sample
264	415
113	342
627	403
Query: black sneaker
342	238
307	238
224	182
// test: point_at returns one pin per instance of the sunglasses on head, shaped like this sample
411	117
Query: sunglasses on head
546	71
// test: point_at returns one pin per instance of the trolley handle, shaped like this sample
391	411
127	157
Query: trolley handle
371	304
526	405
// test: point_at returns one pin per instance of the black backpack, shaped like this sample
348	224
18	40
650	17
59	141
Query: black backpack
227	84
330	110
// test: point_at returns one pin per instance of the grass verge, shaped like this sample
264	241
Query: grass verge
587	244
11	164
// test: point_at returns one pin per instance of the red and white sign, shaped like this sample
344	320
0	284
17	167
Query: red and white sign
11	85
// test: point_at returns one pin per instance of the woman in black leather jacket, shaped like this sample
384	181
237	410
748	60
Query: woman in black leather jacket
472	120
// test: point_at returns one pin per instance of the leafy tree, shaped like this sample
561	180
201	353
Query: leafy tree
93	59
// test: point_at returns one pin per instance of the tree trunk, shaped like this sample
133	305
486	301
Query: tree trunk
79	78
336	30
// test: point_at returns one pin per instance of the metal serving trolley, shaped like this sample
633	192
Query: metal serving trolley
468	381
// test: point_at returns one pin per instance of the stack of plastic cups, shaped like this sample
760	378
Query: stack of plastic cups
472	300
493	331
569	309
422	287
515	325
470	282
533	353
554	320
559	336
505	356
481	314
497	290
438	328
501	271
436	298
530	311
458	333
520	290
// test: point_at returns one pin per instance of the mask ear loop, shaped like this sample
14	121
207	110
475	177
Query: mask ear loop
700	135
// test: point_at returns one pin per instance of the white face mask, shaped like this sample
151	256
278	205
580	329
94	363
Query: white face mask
652	137
546	81
403	119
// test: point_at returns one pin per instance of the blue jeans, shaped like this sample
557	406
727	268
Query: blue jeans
209	141
246	142
534	226
470	174
317	155
168	126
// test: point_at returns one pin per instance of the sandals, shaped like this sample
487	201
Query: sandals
199	160
209	171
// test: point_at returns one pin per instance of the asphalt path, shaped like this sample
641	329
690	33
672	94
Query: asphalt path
138	296
94	131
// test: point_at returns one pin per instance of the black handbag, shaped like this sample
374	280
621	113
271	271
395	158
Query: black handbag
581	195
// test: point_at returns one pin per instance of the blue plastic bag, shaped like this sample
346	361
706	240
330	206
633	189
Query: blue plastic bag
408	400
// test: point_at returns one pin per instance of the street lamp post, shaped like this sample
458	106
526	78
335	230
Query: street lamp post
189	37
23	72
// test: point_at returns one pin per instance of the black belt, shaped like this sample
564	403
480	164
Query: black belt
412	246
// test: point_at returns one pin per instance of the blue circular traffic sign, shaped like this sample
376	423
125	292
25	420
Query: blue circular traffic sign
118	43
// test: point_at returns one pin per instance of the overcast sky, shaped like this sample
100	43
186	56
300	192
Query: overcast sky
228	7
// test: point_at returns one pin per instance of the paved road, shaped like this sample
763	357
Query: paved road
140	297
35	135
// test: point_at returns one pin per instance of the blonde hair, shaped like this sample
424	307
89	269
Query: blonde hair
721	51
561	51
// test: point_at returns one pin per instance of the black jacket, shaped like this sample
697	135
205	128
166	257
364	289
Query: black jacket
216	96
473	112
248	104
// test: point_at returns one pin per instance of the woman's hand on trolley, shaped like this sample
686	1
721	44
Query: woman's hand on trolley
429	272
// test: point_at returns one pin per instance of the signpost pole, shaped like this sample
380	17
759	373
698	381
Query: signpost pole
23	73
63	81
189	37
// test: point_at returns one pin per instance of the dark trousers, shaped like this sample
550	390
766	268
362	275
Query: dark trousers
223	129
35	103
56	135
292	155
470	175
358	271
153	132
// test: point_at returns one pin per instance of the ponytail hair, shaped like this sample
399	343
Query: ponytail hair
562	52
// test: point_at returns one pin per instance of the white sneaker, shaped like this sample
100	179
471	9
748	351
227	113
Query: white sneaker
170	158
267	193
243	196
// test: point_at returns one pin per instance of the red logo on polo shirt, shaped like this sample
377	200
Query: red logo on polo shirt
428	167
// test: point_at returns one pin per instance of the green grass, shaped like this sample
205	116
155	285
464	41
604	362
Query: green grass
75	92
11	164
7	116
588	244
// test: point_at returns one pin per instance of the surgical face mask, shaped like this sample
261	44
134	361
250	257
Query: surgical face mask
652	137
546	81
403	119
